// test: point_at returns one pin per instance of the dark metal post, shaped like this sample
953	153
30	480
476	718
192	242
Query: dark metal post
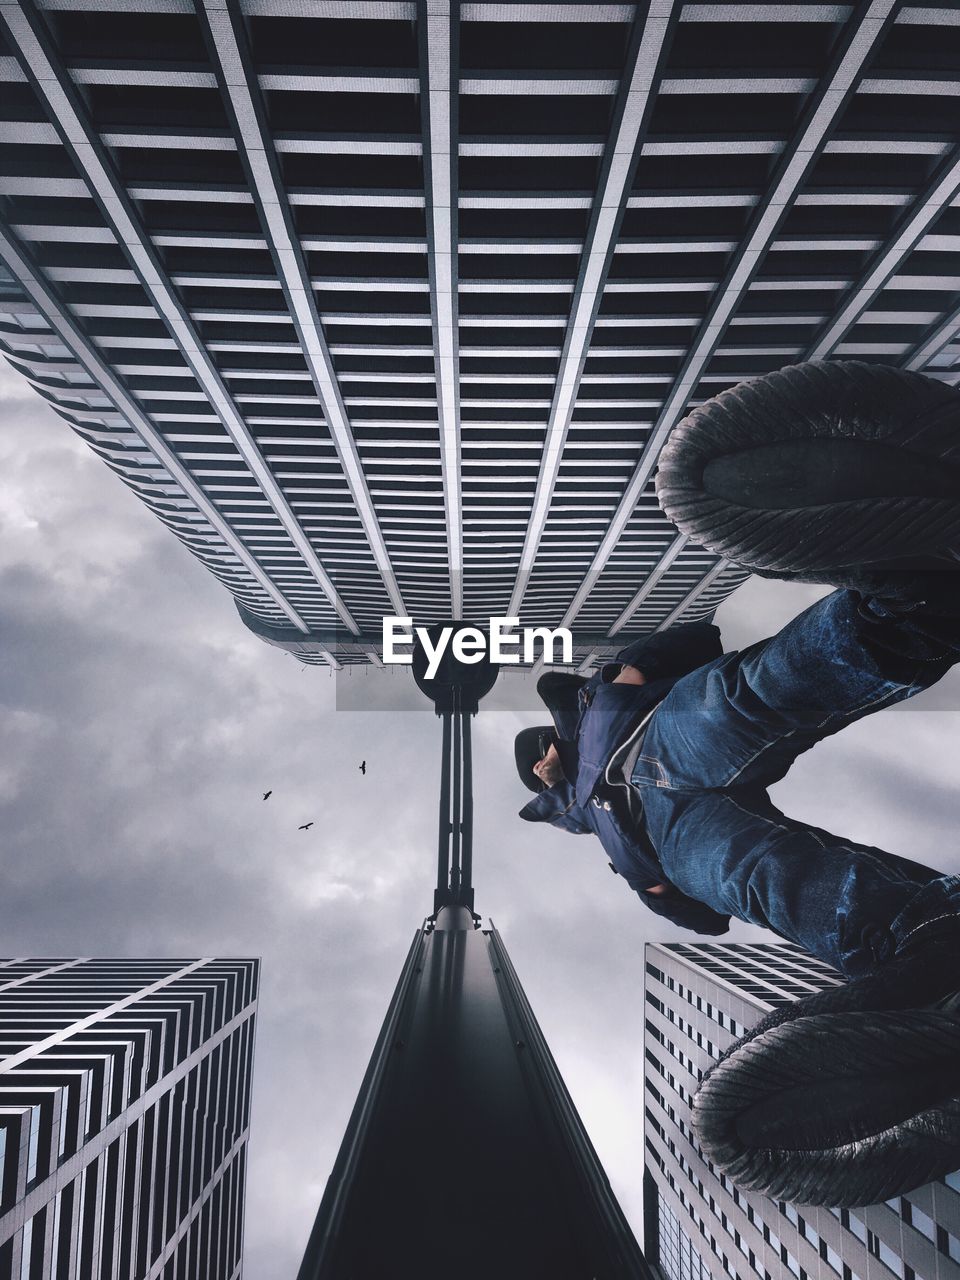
466	828
464	1155
443	841
456	824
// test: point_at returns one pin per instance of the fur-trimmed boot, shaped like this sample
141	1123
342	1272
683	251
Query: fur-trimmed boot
836	472
849	1096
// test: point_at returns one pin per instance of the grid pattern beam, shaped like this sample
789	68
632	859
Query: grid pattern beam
439	28
90	359
225	25
156	1272
38	1196
863	32
942	334
692	596
640	87
528	259
124	1117
18	1059
55	86
663	565
926	209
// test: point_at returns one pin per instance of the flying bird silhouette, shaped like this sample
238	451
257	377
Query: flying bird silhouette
267	795
306	826
363	766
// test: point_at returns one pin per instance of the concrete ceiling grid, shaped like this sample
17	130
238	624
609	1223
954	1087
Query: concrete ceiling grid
602	214
54	85
861	34
439	73
239	82
62	323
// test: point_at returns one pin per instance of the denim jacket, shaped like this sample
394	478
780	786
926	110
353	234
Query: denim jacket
593	717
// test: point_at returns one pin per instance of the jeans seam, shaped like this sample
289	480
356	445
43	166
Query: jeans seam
948	915
847	846
863	706
751	813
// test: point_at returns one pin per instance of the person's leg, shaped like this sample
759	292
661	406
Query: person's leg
744	718
730	729
851	905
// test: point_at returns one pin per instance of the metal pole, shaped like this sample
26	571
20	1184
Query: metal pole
457	794
443	843
466	826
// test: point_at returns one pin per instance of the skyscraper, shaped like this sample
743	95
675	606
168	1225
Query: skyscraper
124	1117
387	308
697	1224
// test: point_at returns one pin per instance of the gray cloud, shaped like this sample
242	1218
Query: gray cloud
143	723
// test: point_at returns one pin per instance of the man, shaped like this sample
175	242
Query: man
602	720
842	473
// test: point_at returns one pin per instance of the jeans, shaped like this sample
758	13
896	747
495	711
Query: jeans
730	729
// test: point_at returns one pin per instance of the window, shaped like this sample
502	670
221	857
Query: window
922	1222
880	1249
854	1225
889	1258
830	1257
792	1264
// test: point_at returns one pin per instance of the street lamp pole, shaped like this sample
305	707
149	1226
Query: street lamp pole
464	1155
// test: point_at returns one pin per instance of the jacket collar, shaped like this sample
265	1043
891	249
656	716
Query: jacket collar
549	804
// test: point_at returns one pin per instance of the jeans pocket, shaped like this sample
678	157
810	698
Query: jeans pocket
649	772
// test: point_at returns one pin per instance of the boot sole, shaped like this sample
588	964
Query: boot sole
820	469
837	1109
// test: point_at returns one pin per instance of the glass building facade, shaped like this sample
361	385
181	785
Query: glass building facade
124	1117
700	997
388	308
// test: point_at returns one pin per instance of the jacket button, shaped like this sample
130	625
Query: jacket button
607	805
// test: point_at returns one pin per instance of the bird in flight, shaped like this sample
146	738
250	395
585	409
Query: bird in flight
305	827
363	766
267	795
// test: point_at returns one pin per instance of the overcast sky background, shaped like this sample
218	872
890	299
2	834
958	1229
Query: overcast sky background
142	723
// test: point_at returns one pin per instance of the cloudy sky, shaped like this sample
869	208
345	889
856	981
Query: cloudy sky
141	724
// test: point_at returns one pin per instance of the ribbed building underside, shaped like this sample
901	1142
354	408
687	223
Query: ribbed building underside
388	307
124	1117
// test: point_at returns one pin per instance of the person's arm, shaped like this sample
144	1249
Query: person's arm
670	904
675	651
559	690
